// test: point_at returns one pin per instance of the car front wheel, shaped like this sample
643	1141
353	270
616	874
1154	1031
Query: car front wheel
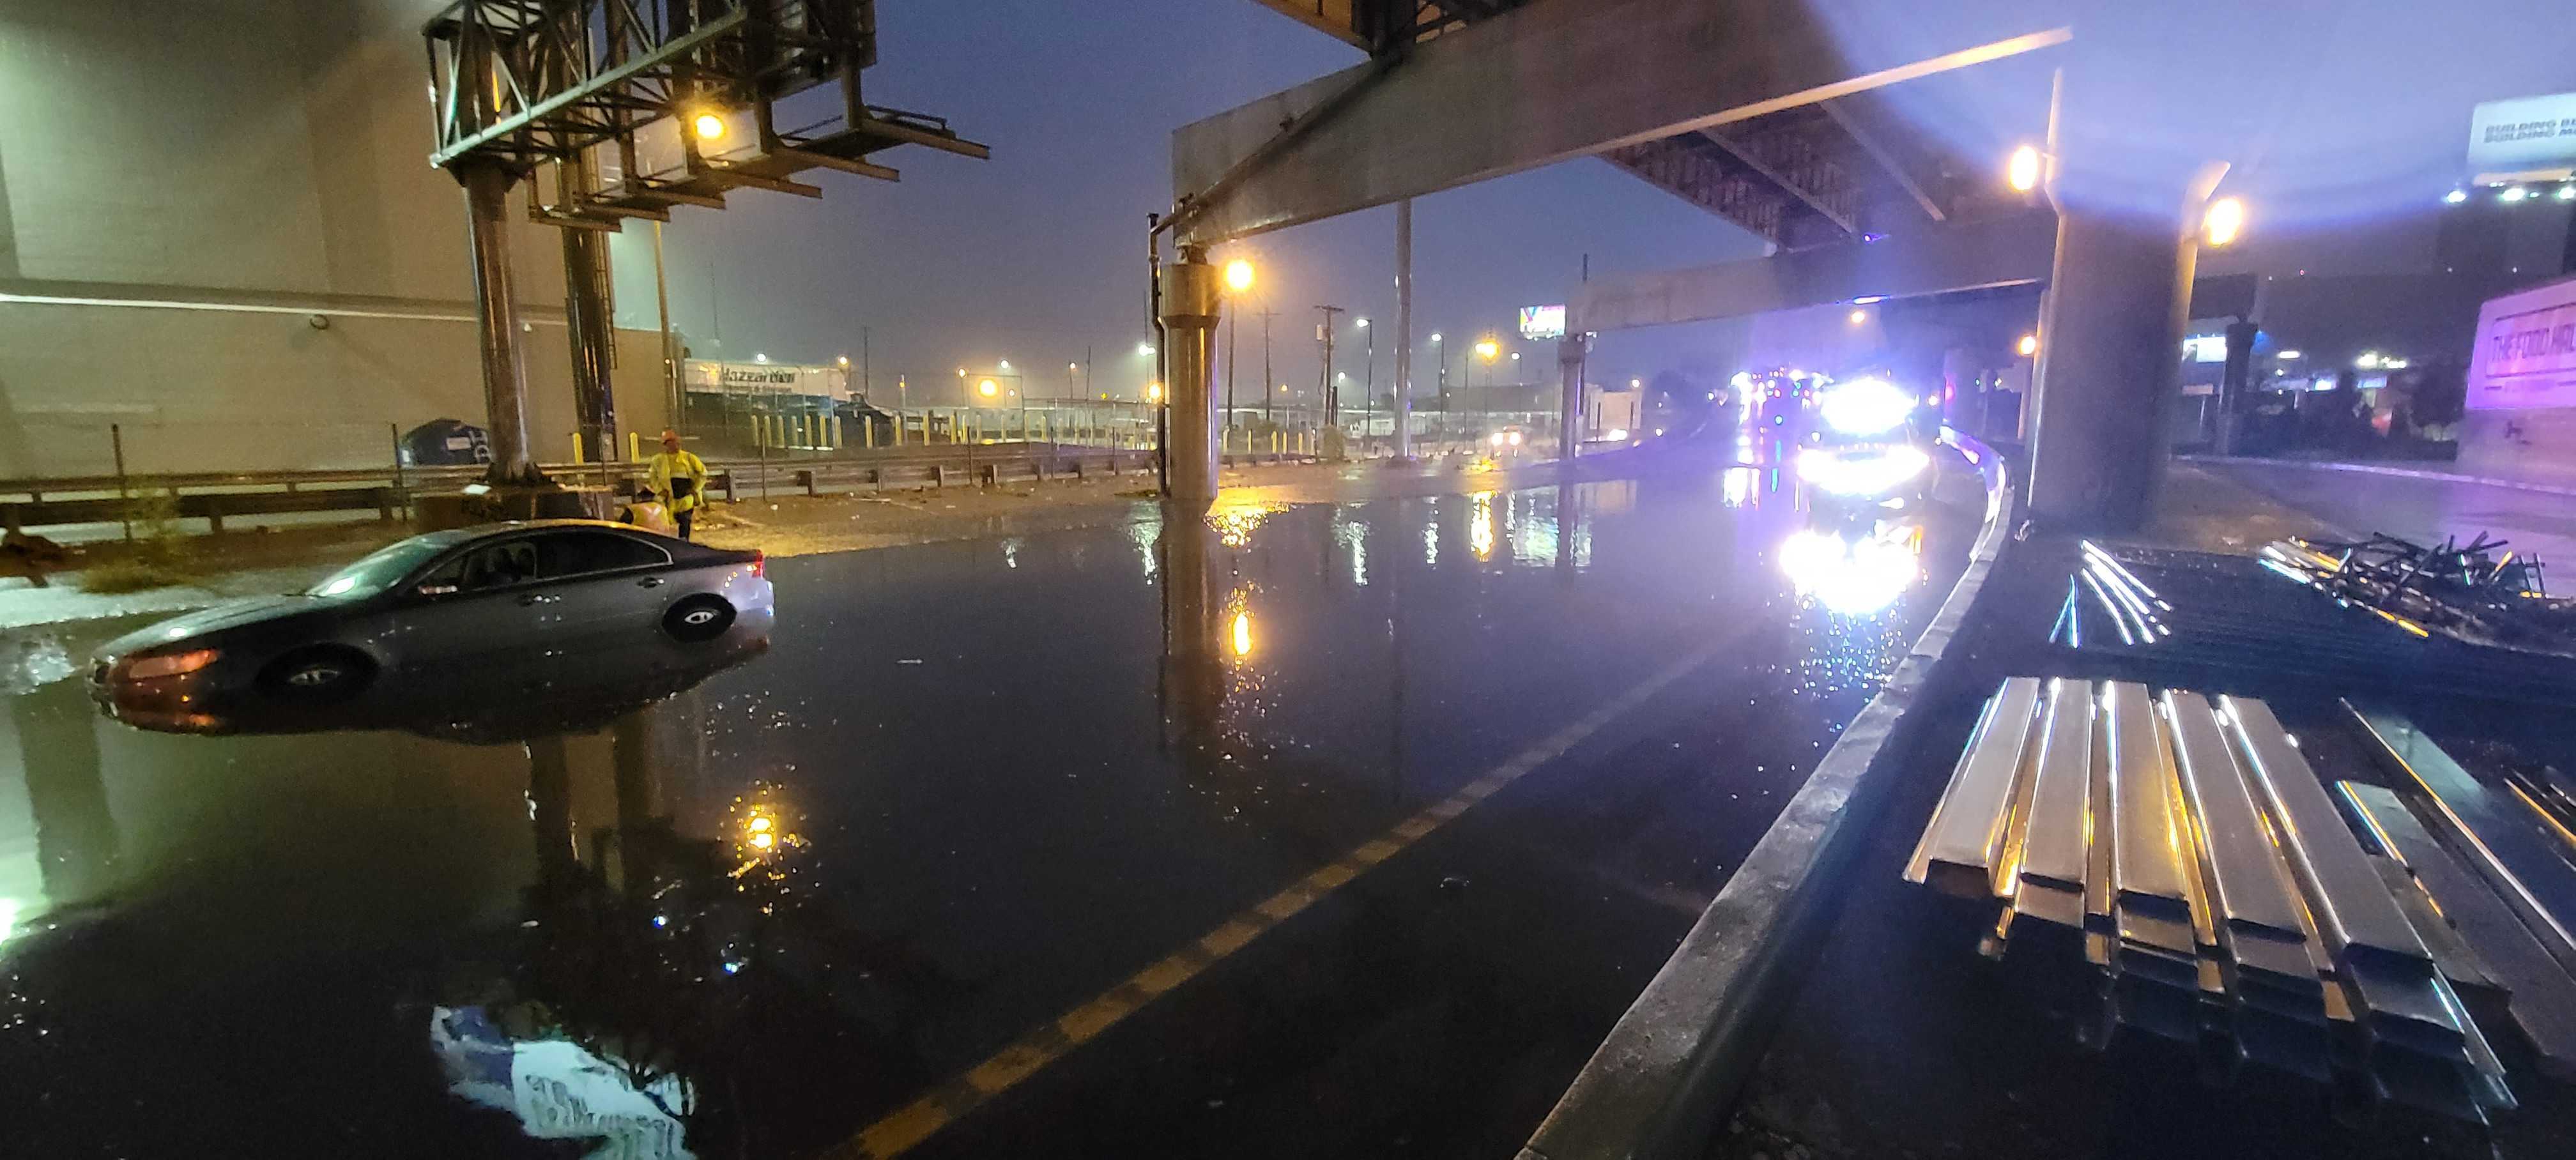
698	618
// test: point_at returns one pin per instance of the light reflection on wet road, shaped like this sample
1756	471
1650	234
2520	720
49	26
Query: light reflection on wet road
923	858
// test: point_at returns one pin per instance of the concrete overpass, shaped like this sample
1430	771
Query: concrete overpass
1771	115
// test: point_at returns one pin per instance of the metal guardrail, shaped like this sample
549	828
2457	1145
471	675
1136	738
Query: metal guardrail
214	496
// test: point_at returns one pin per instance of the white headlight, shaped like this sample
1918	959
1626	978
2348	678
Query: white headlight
1865	407
1865	473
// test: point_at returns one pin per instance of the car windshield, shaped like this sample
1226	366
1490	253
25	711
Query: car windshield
379	570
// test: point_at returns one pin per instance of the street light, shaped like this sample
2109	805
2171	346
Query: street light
2023	170
1238	275
2028	346
1859	316
1487	349
1005	364
1145	349
1153	392
2225	220
709	126
845	362
987	388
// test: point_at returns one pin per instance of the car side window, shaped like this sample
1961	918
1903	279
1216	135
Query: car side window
491	566
567	554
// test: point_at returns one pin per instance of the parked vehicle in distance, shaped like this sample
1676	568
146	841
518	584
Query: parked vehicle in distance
446	598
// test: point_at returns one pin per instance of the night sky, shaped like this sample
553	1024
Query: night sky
2348	120
1040	252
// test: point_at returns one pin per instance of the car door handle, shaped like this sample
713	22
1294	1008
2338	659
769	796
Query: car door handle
649	582
538	598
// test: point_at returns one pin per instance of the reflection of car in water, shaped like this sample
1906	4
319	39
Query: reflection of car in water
482	594
483	702
1854	566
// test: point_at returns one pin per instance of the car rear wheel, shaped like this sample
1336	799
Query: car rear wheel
318	675
698	618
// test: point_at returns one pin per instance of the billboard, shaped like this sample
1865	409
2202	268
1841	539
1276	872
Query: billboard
2526	352
2530	138
1543	321
765	378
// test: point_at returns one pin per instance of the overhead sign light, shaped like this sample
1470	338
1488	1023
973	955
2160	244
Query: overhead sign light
1543	322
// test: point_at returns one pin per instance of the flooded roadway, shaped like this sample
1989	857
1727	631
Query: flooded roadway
1332	829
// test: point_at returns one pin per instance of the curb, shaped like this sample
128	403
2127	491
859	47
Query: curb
1655	1086
2376	469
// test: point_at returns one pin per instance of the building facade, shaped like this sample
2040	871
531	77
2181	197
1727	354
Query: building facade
222	245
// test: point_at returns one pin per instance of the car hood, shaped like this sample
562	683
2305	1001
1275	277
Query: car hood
228	615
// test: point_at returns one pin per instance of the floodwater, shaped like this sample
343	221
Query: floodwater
1330	829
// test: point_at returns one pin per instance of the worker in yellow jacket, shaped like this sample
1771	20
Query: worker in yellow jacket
680	479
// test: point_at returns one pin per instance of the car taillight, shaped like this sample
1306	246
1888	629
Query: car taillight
760	565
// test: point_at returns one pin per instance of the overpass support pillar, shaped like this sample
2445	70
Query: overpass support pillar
1190	307
1569	408
496	301
586	317
2109	367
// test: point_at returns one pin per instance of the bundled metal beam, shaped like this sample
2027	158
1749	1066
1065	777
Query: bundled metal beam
2539	997
1962	852
2500	835
2211	877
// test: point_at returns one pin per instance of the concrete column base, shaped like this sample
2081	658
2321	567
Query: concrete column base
2109	369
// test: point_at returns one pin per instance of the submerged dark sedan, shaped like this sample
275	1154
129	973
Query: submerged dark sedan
445	598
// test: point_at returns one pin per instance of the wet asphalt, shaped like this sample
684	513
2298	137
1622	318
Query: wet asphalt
1303	829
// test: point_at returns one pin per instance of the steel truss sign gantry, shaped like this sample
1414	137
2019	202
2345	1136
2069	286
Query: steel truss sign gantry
615	89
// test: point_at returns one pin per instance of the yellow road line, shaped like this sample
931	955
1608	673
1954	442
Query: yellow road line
905	1127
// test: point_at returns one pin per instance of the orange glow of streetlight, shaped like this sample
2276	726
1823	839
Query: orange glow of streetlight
1238	275
1487	349
2029	345
2225	220
709	126
987	388
1153	392
2023	170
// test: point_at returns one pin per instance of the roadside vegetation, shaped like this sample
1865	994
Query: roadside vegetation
156	557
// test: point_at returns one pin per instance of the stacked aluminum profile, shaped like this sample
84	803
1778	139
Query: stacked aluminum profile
2187	846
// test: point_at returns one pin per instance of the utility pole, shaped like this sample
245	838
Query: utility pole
865	383
1269	385
1332	396
1401	405
1368	387
1227	423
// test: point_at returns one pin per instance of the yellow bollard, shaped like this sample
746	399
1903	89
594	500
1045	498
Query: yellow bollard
576	446
634	447
868	429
